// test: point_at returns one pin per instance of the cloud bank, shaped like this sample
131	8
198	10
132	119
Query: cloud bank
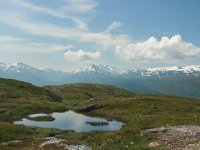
81	55
153	49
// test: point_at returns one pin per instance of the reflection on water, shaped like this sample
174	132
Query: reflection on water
71	120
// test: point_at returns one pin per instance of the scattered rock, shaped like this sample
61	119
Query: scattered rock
11	142
132	143
3	110
51	140
176	137
76	147
60	143
90	108
153	144
92	99
155	130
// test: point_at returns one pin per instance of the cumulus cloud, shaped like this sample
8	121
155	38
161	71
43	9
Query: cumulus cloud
81	55
153	49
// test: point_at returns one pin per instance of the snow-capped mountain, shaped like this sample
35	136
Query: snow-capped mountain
164	71
180	81
16	67
23	72
105	70
176	69
102	69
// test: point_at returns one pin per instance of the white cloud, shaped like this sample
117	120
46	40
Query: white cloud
81	55
56	31
79	6
152	49
5	38
80	23
114	25
13	44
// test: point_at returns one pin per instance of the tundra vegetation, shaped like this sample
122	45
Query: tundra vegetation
138	112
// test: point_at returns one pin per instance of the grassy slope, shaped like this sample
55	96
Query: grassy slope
13	89
75	95
138	111
20	98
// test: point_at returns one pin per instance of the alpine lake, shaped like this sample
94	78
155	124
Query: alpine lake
70	120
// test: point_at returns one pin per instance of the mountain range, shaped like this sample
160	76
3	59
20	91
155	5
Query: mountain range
176	80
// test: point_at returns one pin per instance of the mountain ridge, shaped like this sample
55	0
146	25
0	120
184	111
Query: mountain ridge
103	68
178	81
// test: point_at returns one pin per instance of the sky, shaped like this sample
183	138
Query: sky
70	34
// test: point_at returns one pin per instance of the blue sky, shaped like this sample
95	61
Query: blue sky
69	34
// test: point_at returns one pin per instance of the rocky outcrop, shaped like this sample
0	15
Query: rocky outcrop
176	137
90	108
61	143
155	130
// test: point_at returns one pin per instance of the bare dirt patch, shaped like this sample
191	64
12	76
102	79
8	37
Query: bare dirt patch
184	137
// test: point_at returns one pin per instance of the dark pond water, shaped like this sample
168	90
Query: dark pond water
71	120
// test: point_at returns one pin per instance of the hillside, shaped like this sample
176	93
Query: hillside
138	112
13	89
171	85
86	91
19	98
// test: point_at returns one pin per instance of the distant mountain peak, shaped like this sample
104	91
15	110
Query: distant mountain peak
185	69
18	67
105	69
175	80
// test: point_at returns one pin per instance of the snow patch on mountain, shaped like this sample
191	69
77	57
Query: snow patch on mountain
102	69
174	70
16	67
186	69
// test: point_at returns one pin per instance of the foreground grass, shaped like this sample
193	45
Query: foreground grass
139	112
